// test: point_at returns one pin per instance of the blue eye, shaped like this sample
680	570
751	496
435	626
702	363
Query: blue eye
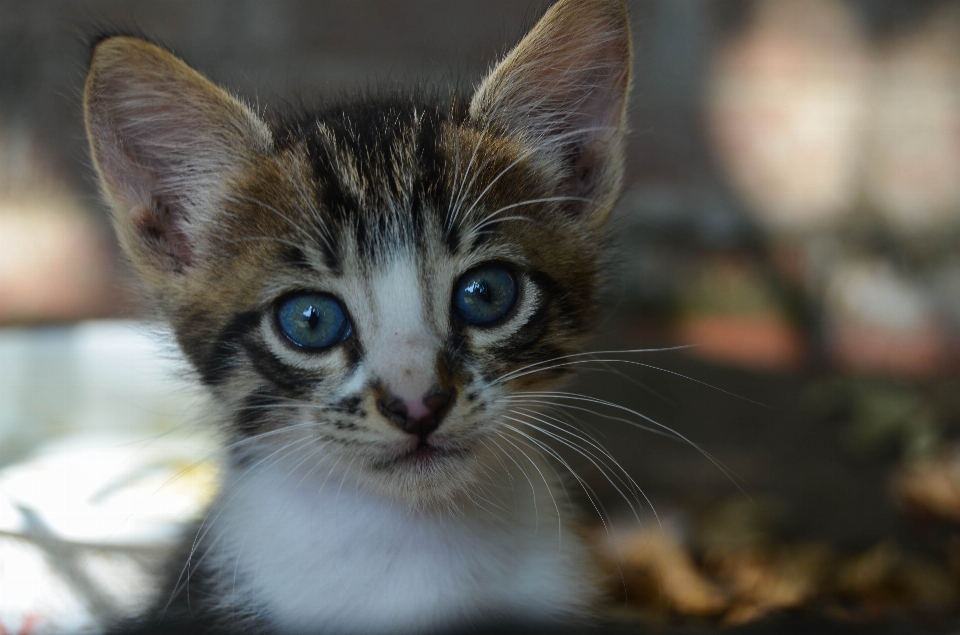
313	320
484	295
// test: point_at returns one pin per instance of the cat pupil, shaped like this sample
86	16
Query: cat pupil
479	289
312	316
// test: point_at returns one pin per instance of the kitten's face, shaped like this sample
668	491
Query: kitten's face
367	289
385	257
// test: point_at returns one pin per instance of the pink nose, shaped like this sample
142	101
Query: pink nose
417	416
416	408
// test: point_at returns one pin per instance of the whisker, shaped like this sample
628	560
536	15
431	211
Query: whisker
668	435
730	474
320	221
313	453
456	170
549	491
523	155
219	504
609	368
457	206
272	239
533	201
630	483
481	229
533	490
585	453
506	376
644	365
595	501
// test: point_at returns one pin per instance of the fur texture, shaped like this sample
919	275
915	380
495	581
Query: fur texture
332	516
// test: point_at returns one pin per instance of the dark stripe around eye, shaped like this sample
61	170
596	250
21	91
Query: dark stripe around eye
289	380
250	419
216	361
554	314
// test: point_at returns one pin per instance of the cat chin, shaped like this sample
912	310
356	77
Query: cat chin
425	478
422	459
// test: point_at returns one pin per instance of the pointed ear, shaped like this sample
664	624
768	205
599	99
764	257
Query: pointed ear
165	142
564	90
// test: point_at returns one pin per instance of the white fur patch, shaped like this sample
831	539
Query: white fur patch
316	552
403	348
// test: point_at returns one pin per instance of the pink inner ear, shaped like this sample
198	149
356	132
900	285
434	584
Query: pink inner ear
165	140
572	70
158	228
564	89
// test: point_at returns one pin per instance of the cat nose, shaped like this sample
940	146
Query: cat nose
417	416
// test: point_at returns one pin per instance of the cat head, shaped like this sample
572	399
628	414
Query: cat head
370	284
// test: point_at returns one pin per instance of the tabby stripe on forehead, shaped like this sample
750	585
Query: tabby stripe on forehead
451	238
335	200
429	174
295	257
331	258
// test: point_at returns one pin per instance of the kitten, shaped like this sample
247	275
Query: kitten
374	292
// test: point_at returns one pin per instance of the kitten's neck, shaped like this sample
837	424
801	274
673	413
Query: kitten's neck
281	541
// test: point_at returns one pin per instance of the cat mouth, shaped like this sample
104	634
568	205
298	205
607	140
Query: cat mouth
424	454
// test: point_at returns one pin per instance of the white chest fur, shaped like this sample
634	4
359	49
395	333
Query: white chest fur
314	555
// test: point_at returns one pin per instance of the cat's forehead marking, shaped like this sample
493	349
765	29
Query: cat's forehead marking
414	175
345	165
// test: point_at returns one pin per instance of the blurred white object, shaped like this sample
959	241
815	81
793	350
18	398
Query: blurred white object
786	110
108	376
82	523
118	464
869	292
879	319
913	164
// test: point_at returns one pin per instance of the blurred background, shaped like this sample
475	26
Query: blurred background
791	212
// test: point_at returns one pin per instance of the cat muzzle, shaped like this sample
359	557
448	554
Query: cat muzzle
417	417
